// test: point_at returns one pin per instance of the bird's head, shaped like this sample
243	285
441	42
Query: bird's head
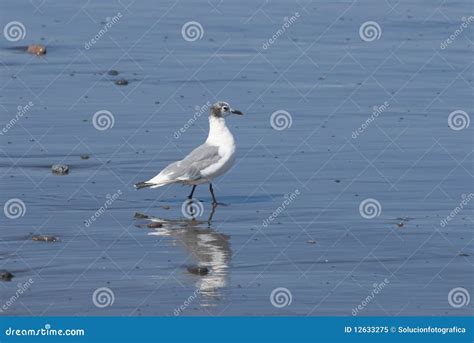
222	109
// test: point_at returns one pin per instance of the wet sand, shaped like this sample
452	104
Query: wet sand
318	247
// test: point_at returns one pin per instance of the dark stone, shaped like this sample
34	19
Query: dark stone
36	49
44	238
140	216
197	270
121	82
5	275
154	225
113	72
60	169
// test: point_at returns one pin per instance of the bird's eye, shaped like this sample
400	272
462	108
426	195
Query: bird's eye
225	108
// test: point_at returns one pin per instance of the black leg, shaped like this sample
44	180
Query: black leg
214	201
192	192
212	214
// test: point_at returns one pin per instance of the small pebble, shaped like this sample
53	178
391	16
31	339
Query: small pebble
140	215
5	275
60	169
36	49
44	238
154	225
85	157
113	72
166	207
121	82
197	270
312	241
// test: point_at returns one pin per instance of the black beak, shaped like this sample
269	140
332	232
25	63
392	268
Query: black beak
236	112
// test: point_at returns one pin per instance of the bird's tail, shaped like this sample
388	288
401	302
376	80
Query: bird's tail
141	185
148	184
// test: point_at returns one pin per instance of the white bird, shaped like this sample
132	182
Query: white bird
208	161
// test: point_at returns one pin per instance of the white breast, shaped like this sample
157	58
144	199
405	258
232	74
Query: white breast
220	136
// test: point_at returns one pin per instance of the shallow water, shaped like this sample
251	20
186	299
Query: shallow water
318	247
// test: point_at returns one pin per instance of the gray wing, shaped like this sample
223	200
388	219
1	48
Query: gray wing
189	168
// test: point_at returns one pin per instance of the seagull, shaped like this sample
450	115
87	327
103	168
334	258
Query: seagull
208	161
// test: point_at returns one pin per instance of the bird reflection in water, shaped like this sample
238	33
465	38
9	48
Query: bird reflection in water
209	249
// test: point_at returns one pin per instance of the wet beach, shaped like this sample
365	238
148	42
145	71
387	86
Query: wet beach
347	169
